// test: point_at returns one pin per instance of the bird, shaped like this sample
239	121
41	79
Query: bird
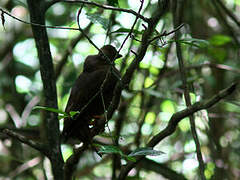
91	94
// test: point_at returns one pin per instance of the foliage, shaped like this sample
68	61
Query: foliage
210	45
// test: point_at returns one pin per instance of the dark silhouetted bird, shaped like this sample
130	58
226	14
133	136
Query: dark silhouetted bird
99	75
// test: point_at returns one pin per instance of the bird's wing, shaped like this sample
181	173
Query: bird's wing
85	87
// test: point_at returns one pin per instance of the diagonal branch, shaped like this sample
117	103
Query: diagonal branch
25	140
175	119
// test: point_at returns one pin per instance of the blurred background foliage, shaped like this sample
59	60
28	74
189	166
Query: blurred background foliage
210	44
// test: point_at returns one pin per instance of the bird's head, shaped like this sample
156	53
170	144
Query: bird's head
110	52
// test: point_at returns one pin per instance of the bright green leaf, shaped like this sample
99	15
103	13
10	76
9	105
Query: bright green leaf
199	43
125	30
51	110
108	149
148	151
130	158
73	113
62	117
219	40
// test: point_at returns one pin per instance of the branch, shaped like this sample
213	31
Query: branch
167	34
139	57
72	161
51	124
229	13
25	140
225	22
160	168
177	16
132	28
175	119
36	24
103	7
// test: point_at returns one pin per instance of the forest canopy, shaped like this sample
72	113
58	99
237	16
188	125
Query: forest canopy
178	116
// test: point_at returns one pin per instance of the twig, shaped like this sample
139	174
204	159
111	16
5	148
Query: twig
229	13
175	119
166	34
89	40
36	24
25	166
207	64
25	140
225	22
104	7
132	28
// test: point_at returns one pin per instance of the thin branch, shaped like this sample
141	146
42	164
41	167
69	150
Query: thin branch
175	119
25	140
89	40
166	34
132	28
170	73
25	166
36	24
225	22
139	57
103	7
229	13
177	16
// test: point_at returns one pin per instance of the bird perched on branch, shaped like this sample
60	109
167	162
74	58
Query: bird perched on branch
91	94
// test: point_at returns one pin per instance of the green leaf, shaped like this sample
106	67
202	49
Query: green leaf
148	151
129	158
51	110
62	117
218	53
126	30
96	18
73	113
109	149
113	2
199	43
219	40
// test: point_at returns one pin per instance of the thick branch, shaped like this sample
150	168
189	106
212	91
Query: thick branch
37	15
23	139
139	57
175	119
